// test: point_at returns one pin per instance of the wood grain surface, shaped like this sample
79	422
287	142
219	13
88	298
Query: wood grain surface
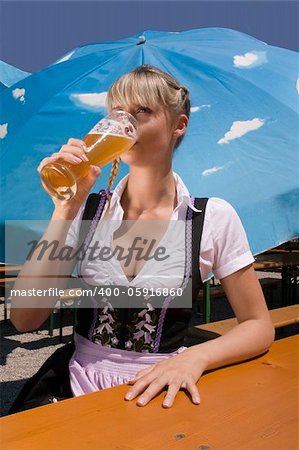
248	406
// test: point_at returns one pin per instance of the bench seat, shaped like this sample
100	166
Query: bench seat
281	317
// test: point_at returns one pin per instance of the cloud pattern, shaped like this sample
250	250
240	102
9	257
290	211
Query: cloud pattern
250	59
212	170
91	101
239	128
195	109
19	94
3	130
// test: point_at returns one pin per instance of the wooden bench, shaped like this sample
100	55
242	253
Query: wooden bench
218	291
267	265
281	317
10	268
6	281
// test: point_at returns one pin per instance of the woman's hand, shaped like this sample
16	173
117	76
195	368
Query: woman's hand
176	372
74	153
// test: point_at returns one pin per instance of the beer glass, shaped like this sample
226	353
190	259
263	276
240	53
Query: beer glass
114	135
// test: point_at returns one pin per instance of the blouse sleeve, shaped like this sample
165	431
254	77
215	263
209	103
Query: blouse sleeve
224	245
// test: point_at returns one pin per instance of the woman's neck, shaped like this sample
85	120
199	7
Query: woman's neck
149	189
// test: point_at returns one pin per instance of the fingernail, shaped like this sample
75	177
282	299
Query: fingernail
141	401
96	170
128	396
166	404
84	157
197	400
76	160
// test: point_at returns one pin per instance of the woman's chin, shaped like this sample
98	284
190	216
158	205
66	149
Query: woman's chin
126	158
130	156
136	157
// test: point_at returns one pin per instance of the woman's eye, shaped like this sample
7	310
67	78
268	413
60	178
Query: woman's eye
143	109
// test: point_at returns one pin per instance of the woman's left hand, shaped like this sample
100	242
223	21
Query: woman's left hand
176	372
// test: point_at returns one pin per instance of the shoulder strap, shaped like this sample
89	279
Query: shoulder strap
197	227
91	206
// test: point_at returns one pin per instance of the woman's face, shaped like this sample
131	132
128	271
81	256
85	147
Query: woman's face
156	131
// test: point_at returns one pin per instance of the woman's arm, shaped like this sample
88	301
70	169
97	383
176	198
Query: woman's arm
41	271
255	332
252	336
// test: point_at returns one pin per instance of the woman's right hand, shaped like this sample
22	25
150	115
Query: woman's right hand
74	153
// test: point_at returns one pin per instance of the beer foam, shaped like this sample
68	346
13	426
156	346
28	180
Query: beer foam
112	134
119	128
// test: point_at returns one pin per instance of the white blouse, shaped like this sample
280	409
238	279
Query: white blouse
224	245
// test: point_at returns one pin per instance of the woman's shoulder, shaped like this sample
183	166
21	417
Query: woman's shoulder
219	209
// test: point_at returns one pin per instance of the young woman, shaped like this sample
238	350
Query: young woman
141	346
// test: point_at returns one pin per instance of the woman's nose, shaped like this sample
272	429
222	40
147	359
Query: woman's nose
129	109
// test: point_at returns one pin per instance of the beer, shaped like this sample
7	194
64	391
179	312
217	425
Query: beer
60	178
105	148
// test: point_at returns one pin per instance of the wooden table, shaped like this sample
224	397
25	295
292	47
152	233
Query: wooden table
249	406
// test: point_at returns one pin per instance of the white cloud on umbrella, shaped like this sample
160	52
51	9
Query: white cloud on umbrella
92	101
199	108
3	130
250	59
19	94
240	128
212	170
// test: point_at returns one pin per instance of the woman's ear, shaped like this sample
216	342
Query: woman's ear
181	126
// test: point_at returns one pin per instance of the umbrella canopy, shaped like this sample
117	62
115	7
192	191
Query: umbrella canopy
9	75
241	143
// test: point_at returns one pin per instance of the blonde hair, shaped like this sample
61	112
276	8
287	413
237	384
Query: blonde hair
147	86
113	173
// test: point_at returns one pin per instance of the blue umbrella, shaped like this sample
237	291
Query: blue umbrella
241	144
9	75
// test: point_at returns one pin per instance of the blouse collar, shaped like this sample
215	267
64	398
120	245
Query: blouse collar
183	195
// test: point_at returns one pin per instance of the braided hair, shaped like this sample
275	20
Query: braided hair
113	174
